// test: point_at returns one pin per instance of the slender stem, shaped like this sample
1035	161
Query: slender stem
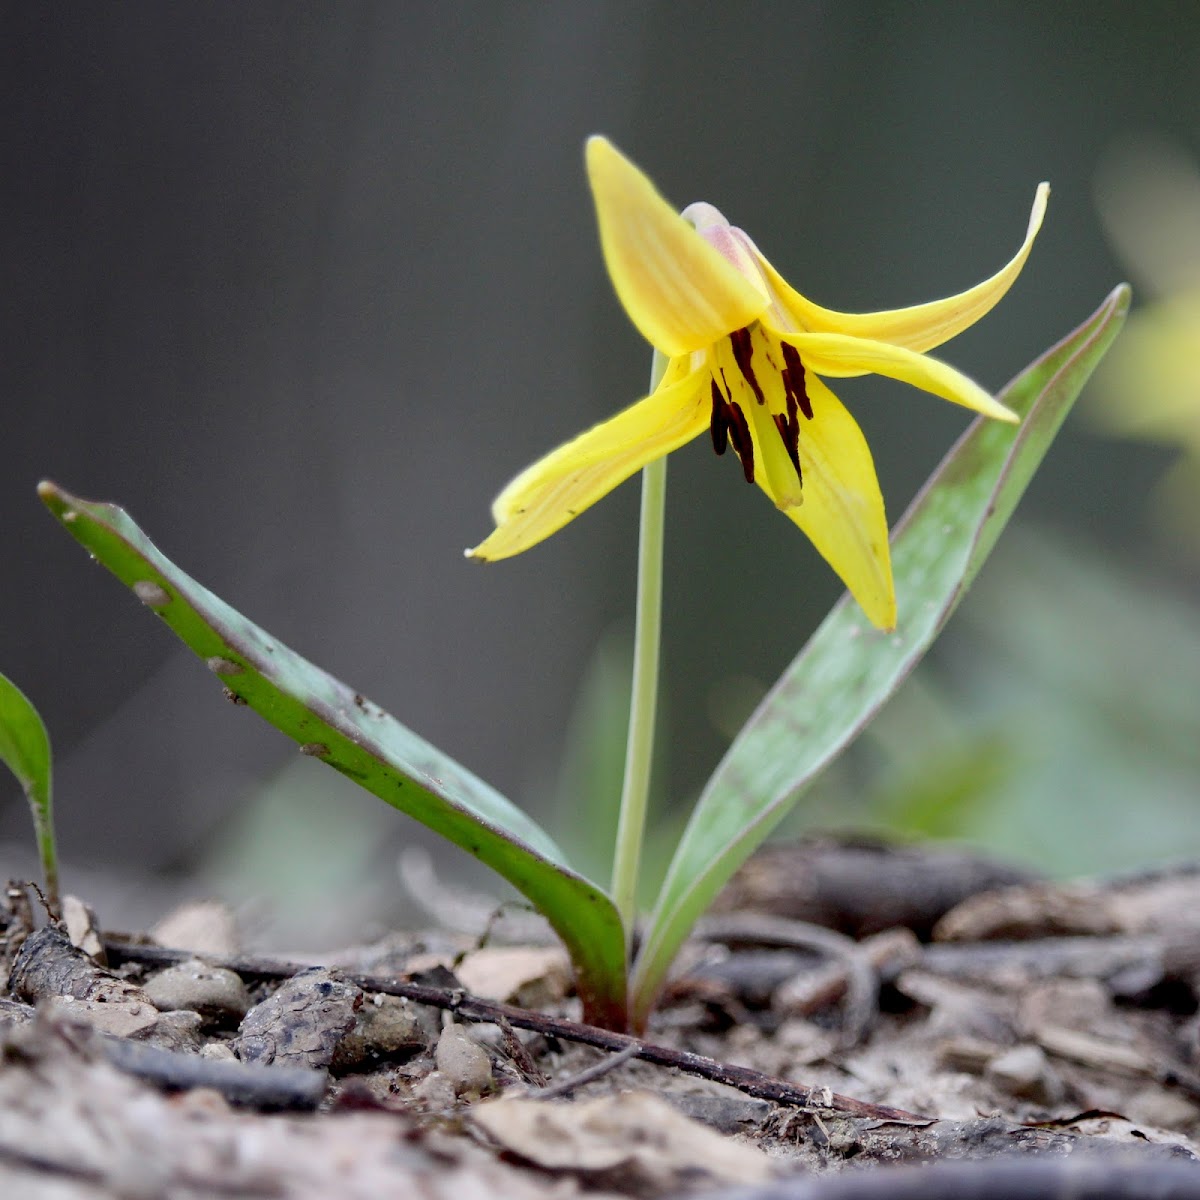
639	750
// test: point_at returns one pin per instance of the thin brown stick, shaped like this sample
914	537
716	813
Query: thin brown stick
564	1087
474	1008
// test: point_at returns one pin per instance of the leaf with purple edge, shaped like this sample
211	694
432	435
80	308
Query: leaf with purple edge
332	722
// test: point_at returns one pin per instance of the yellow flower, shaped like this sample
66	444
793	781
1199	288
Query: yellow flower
746	355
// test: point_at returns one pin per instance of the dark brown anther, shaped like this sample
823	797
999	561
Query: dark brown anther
720	420
789	433
739	435
742	354
793	379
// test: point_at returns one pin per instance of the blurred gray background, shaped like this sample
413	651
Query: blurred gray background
302	286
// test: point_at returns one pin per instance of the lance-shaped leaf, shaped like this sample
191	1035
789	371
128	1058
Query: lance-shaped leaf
356	737
848	669
25	748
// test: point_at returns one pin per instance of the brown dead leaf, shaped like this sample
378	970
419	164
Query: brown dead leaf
633	1140
531	976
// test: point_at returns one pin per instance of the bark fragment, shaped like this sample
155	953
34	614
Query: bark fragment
301	1022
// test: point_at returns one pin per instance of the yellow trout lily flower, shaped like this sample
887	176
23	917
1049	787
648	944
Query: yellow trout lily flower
746	356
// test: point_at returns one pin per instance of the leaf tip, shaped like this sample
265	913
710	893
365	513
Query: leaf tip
61	504
49	492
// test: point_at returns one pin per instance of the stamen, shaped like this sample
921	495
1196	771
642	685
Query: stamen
789	434
742	354
720	420
793	379
739	435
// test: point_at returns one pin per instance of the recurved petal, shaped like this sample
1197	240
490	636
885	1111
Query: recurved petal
922	326
557	488
839	354
677	289
843	513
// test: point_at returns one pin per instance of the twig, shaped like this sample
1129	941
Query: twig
474	1008
49	906
564	1087
265	1088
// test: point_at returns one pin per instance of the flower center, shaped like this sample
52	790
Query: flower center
758	396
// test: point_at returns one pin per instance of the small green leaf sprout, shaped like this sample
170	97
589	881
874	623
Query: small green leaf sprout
25	750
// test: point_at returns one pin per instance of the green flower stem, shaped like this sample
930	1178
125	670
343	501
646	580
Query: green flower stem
639	750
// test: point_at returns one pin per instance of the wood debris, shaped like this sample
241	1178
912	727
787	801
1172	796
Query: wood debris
1065	1013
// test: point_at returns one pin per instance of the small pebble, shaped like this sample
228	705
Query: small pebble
215	993
386	1027
462	1061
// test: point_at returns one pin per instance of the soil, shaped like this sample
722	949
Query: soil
855	1020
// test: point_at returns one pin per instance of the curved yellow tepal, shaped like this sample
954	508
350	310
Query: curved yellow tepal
843	514
923	326
839	354
679	291
569	480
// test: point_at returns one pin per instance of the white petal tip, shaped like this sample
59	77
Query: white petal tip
1040	199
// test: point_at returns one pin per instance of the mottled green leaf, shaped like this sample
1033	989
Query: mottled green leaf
848	669
356	737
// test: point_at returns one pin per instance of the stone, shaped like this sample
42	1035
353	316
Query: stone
463	1061
216	994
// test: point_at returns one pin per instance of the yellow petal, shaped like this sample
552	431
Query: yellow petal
557	488
840	355
843	513
924	325
676	288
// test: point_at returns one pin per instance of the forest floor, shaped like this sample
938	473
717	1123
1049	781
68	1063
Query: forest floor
854	1020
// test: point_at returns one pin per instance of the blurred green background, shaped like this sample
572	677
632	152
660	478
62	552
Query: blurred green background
302	286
